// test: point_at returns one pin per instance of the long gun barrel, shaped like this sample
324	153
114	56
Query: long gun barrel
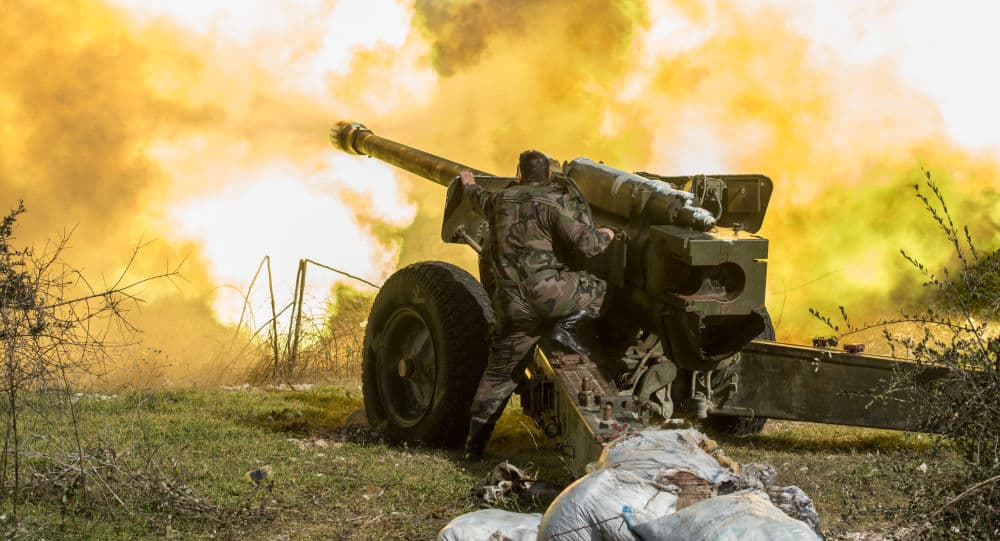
661	203
355	138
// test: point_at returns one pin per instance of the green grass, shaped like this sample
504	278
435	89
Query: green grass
331	481
860	479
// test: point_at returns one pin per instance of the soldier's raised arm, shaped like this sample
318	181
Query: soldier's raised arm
575	226
479	198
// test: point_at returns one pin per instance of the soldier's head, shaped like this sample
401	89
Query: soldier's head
533	167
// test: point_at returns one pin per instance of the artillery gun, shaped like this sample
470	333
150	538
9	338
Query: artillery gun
685	334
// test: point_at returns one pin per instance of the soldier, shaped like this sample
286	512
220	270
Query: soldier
530	222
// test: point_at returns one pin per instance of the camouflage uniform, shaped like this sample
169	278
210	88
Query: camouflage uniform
529	224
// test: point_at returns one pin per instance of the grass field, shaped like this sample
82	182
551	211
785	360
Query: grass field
176	460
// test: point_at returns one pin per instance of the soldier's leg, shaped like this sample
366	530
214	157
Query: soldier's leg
559	295
495	388
491	395
577	297
589	293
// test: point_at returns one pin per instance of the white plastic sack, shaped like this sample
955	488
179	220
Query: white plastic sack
594	507
743	516
492	525
653	452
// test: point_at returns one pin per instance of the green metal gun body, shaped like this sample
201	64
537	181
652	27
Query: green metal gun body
686	265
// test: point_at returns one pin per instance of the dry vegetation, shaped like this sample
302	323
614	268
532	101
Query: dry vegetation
329	348
55	328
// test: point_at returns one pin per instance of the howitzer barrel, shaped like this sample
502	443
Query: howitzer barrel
611	190
355	138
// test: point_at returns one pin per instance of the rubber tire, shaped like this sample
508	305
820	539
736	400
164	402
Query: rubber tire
457	313
743	426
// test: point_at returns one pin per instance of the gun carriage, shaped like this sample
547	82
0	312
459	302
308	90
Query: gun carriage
685	334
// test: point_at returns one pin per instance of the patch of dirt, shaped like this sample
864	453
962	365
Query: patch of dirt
355	431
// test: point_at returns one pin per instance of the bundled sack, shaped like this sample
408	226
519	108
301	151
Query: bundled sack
654	452
791	499
755	475
795	503
598	505
742	516
492	525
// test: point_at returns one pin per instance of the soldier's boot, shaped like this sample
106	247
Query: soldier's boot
475	445
564	332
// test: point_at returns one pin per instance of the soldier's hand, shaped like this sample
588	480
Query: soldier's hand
467	178
609	231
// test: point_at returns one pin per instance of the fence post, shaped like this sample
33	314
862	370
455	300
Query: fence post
274	319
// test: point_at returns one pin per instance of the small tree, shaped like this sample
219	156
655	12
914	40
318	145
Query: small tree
964	405
54	328
958	395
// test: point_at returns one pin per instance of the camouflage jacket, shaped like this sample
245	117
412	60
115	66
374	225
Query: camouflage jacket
530	223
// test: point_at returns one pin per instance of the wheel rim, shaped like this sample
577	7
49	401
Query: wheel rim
407	368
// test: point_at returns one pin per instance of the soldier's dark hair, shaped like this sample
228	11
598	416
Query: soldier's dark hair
534	166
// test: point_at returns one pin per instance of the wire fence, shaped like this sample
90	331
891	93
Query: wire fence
298	344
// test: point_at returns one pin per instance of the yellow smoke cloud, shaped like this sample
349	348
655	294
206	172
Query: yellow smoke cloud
721	87
134	125
204	127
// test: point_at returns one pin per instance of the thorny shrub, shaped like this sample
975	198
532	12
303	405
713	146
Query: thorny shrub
956	391
56	330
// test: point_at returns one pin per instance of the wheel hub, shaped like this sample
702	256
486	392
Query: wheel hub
408	369
405	367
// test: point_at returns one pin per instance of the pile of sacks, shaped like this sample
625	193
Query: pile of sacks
661	484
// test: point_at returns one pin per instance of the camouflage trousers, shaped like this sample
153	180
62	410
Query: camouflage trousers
524	312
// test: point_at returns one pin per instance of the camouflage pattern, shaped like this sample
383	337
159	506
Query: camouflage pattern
531	223
534	228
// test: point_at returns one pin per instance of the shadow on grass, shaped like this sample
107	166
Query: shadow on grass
318	412
795	436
